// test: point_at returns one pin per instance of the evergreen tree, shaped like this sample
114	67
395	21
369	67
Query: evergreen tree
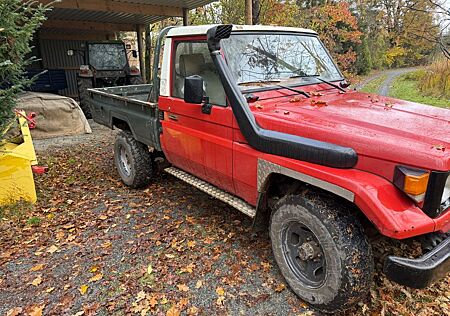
19	20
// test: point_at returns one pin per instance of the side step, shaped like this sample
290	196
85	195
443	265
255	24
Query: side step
210	189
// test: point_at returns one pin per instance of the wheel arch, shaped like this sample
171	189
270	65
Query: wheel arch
376	199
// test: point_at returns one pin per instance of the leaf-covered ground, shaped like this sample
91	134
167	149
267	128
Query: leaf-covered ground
91	246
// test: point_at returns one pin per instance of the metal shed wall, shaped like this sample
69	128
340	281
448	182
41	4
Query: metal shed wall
54	56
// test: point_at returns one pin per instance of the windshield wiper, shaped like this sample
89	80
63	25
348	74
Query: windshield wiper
276	85
306	94
320	79
259	81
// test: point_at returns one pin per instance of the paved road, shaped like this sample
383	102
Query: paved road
387	83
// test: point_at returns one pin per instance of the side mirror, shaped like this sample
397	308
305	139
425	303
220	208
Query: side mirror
344	84
134	53
70	52
193	89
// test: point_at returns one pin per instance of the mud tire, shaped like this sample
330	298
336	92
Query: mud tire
137	171
84	84
345	247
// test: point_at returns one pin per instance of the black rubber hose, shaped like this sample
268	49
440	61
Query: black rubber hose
268	141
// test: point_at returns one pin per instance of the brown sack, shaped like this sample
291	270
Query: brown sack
55	115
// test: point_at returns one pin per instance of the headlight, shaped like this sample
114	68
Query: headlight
413	182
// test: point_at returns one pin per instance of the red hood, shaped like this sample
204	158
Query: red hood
380	128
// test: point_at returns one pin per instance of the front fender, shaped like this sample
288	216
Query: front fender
389	209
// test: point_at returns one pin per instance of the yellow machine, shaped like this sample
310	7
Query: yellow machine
17	160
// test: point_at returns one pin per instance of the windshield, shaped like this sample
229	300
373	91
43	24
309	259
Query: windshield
107	56
277	57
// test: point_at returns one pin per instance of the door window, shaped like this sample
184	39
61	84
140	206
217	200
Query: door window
193	58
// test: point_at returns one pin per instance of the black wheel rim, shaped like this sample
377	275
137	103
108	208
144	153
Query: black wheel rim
303	254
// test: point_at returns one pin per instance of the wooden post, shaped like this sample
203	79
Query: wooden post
185	17
248	12
140	42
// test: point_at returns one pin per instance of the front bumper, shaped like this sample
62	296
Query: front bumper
421	272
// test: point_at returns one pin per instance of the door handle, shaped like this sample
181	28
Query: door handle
173	117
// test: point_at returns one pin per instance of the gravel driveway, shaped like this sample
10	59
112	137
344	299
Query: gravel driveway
91	246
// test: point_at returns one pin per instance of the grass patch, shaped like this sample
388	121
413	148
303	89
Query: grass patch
16	211
34	221
373	86
406	87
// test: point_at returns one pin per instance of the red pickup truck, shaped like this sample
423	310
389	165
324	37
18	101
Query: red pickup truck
261	118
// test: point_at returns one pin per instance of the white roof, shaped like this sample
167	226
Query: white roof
202	29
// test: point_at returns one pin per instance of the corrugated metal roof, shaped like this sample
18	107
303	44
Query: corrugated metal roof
67	14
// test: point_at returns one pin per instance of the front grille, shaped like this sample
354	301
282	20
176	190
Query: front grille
437	195
445	199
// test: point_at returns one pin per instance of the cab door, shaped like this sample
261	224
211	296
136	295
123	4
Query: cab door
198	143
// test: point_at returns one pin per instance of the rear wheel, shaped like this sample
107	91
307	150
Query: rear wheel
133	160
83	85
322	251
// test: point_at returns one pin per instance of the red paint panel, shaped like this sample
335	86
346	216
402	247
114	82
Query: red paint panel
199	143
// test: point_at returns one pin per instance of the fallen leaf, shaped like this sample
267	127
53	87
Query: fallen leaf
191	244
183	287
149	269
96	277
36	310
153	301
318	103
169	255
280	287
49	290
193	310
38	267
439	147
173	311
37	281
295	99
103	217
259	106
220	291
83	289
198	284
52	249
316	94
14	311
220	300
106	244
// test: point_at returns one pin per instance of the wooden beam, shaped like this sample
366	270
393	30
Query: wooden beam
92	26
185	17
74	36
248	12
116	6
140	41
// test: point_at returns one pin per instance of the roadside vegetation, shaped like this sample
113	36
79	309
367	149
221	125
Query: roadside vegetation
435	81
410	87
374	85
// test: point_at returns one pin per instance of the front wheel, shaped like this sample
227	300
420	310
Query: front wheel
322	251
133	160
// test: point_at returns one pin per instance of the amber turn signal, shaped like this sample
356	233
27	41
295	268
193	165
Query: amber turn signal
413	182
416	184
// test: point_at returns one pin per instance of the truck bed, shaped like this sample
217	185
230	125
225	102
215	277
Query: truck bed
127	107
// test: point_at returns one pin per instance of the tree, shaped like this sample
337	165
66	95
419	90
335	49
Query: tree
338	29
18	22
